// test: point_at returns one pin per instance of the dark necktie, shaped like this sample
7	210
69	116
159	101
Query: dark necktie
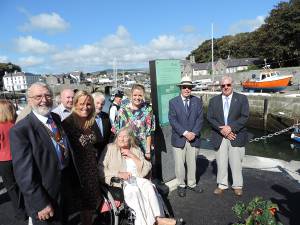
186	105
54	129
57	137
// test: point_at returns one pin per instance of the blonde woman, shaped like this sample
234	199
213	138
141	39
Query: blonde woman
85	140
139	117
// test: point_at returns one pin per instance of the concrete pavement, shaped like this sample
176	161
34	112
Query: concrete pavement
271	179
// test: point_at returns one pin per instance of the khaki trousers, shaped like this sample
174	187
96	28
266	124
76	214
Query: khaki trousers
233	155
188	155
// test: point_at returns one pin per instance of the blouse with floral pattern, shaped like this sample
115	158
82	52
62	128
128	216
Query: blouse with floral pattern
141	121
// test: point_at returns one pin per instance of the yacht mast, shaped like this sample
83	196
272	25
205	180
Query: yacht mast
212	51
115	73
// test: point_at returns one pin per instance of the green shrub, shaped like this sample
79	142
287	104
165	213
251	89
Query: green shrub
257	212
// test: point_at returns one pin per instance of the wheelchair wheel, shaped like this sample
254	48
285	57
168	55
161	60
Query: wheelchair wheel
109	216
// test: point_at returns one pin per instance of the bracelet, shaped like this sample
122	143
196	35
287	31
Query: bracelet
147	153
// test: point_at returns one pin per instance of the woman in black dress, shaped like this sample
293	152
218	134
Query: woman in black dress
85	140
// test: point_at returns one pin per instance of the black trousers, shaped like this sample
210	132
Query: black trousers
6	172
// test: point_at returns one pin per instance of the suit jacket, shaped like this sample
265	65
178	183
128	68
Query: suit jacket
106	127
182	121
112	162
36	166
237	119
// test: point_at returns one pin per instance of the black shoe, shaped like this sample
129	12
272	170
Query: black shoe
180	222
196	189
181	191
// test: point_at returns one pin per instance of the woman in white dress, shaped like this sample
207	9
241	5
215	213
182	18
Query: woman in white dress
125	160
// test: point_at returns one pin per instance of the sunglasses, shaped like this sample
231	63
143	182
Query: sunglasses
225	85
187	87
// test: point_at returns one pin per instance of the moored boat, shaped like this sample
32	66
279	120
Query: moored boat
296	134
268	81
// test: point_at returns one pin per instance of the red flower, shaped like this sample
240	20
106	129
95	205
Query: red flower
273	211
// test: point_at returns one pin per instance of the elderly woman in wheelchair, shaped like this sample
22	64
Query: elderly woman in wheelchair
125	160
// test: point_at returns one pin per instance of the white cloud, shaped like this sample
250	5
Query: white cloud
31	45
100	55
165	42
247	25
3	59
50	23
30	61
120	39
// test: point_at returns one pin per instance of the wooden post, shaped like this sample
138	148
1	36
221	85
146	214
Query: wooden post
266	103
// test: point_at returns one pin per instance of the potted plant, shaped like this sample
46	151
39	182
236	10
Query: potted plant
257	212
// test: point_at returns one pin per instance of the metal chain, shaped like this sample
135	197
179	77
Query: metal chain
274	134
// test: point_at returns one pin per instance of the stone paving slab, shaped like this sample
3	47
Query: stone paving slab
209	209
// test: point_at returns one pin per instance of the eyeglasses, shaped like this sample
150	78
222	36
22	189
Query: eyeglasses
225	85
187	87
40	97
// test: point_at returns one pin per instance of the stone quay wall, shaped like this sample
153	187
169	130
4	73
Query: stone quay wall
267	111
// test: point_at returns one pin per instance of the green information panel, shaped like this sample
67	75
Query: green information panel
167	74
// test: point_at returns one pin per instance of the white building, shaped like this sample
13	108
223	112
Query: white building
19	80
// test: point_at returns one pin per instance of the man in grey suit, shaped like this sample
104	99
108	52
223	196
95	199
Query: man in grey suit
228	114
186	119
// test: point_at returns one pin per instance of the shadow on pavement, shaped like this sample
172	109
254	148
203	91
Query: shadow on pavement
289	205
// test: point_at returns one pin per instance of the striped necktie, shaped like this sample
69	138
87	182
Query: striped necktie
57	137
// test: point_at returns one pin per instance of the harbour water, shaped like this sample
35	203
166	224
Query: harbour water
277	147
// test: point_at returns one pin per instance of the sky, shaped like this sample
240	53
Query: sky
56	36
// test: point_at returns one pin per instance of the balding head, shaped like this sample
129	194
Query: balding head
227	85
66	98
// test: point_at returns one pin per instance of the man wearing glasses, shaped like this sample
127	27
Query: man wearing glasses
186	119
41	157
228	114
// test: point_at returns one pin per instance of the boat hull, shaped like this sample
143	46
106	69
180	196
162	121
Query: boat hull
295	137
268	86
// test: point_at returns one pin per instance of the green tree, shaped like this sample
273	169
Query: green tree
277	40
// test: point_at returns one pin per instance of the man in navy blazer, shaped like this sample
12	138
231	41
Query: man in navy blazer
186	119
42	160
228	114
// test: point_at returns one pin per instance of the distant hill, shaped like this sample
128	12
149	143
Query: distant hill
120	70
277	40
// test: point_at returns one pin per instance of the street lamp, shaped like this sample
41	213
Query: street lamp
10	67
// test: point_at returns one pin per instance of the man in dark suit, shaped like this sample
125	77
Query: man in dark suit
102	119
228	114
42	161
186	119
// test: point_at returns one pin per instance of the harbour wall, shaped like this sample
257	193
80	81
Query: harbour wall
242	76
271	112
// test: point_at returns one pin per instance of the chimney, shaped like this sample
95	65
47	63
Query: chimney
192	59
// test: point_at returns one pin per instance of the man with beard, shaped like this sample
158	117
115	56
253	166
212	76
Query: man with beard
42	162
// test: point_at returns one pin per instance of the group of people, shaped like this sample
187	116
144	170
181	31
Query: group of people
59	158
227	114
54	161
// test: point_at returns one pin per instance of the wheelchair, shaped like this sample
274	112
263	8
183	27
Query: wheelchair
113	210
